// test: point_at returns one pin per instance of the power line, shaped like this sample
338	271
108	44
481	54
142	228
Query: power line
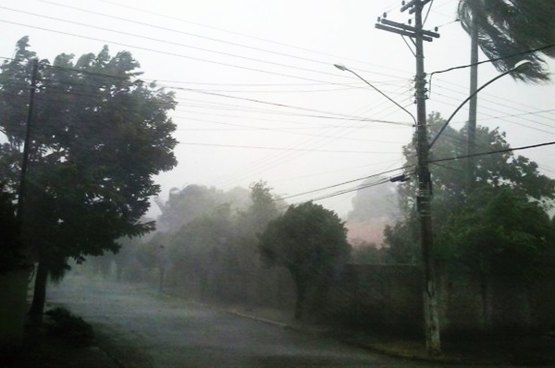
347	182
263	166
307	125
288	106
492	96
342	169
509	118
173	43
228	84
343	87
522	124
492	152
509	104
273	112
357	188
488	61
250	36
280	148
338	115
279	130
190	34
168	53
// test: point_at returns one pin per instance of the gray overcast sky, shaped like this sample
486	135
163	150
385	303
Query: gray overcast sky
226	54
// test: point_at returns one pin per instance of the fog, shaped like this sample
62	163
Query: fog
259	98
291	218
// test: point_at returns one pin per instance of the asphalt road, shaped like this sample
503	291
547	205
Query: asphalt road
144	329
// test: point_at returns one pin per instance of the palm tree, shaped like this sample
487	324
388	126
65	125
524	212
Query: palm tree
502	28
506	30
512	27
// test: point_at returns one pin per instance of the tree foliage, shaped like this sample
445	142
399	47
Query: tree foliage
499	232
367	253
508	29
210	237
99	135
495	173
309	241
195	201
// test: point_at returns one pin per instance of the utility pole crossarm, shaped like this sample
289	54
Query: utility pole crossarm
407	27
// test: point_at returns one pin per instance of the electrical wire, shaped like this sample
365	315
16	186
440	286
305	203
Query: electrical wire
190	34
281	105
173	43
347	182
228	31
169	53
346	191
289	106
492	152
545	47
281	148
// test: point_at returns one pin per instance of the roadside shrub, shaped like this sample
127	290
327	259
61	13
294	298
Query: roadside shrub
70	328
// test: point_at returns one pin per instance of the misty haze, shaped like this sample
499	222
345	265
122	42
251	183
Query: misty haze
277	183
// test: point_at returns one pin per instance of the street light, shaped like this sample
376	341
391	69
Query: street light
517	66
344	68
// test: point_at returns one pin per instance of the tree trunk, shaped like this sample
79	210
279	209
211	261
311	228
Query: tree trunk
484	293
39	294
301	293
472	109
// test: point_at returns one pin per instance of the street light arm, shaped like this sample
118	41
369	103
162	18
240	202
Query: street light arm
472	95
344	68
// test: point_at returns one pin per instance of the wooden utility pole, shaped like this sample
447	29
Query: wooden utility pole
424	195
24	249
26	146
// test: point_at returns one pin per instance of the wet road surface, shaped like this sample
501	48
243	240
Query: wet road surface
162	332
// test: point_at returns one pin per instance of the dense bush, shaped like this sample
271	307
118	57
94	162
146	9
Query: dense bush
70	328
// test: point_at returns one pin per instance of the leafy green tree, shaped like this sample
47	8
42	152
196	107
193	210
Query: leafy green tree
100	134
211	238
249	223
506	28
494	171
310	242
263	208
500	232
367	253
252	221
401	239
195	201
201	247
